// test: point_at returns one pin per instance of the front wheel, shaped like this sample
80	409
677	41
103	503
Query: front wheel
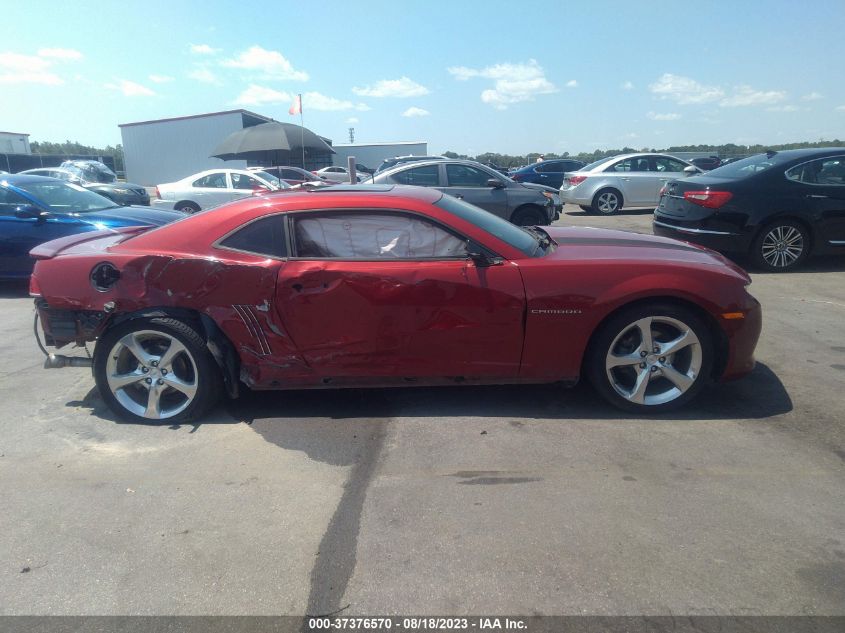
651	358
781	246
607	202
529	216
158	369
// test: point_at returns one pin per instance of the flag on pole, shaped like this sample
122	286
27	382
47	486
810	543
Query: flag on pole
296	107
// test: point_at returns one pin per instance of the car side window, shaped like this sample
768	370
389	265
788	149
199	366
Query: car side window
291	174
824	171
550	167
262	237
466	176
216	180
427	176
242	181
668	164
373	235
9	200
622	165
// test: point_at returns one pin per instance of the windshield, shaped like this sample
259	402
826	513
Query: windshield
749	166
66	197
273	180
522	240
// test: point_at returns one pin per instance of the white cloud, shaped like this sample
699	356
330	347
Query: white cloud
684	90
840	108
351	120
204	75
572	83
259	95
402	87
130	88
747	96
663	116
16	68
627	85
60	53
272	64
415	111
784	108
202	49
513	83
317	101
813	96
160	79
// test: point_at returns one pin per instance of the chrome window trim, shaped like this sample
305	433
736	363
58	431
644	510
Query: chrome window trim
813	184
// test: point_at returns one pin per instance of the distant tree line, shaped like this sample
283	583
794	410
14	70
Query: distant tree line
74	147
723	151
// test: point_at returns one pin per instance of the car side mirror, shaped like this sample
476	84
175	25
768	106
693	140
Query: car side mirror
689	170
480	258
495	183
30	212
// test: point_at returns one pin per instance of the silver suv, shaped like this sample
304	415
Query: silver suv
629	180
524	204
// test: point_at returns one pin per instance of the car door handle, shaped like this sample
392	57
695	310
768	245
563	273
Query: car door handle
815	195
626	179
459	196
297	287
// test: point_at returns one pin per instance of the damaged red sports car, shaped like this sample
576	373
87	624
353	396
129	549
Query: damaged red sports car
386	286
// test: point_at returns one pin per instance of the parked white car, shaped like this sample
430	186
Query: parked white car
628	180
214	187
338	174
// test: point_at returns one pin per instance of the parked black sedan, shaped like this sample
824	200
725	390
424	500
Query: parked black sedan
778	207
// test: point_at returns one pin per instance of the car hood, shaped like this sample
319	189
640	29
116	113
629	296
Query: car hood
536	187
132	216
587	243
113	185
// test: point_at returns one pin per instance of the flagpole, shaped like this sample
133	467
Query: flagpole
302	130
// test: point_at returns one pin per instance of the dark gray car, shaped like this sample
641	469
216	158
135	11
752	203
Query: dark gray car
523	204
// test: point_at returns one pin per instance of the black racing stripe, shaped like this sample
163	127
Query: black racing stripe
597	241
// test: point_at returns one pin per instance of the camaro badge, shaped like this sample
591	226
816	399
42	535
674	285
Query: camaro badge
555	311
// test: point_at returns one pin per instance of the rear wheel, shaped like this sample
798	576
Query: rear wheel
781	246
651	358
529	216
158	369
607	202
186	206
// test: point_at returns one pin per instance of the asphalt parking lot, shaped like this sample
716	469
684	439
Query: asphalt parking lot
509	500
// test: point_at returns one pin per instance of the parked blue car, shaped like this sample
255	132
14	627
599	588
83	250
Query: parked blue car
548	172
35	209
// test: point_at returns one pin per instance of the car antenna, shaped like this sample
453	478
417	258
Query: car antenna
770	153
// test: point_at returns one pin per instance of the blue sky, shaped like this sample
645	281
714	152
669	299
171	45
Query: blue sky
468	76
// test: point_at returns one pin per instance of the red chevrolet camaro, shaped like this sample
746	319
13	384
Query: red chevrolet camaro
386	286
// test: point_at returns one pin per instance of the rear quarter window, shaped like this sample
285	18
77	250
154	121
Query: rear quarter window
260	237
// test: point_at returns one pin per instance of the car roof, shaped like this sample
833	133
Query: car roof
22	179
442	161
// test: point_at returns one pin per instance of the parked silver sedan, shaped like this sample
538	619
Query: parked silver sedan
524	204
628	180
214	187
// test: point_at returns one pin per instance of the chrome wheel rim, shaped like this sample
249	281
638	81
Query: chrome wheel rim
152	374
654	360
608	202
782	246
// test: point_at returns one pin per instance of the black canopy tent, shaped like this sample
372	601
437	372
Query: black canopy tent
276	143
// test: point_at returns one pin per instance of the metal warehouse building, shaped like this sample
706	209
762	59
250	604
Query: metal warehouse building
371	155
165	150
14	143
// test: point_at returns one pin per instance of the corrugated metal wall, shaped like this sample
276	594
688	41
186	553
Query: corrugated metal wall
164	151
372	155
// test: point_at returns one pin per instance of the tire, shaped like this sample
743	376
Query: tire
138	387
607	202
781	246
529	215
584	207
657	381
186	206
